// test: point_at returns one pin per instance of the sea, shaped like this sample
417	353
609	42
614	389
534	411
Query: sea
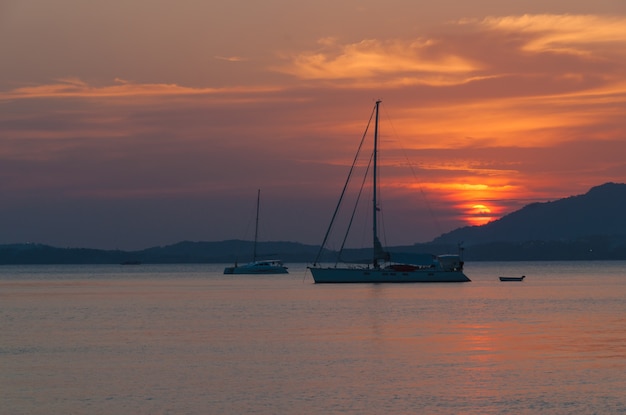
186	339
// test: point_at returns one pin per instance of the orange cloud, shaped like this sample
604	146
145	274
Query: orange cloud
523	122
404	62
563	33
231	58
77	88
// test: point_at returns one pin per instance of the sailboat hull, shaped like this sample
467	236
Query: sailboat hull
372	275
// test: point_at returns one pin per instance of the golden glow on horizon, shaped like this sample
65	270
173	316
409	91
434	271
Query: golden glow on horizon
477	203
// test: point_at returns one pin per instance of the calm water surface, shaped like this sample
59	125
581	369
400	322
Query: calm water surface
163	339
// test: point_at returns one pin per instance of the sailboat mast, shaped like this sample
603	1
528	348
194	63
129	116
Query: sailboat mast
374	190
256	227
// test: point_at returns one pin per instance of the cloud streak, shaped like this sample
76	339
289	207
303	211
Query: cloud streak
403	61
574	34
77	88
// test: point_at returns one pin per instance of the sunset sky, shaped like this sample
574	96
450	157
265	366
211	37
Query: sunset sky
137	123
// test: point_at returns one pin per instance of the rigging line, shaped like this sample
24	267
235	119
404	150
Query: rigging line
381	212
304	274
366	230
380	216
382	226
421	189
256	226
345	186
356	205
242	241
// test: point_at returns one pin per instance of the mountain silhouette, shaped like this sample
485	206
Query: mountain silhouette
585	227
600	211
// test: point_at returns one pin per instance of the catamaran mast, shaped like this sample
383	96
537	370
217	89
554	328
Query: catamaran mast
256	228
376	243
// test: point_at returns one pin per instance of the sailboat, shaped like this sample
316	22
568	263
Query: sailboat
444	268
266	266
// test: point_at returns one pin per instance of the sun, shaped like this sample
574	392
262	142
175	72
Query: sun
479	214
481	209
477	204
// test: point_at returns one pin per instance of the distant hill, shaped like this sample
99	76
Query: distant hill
600	211
588	226
180	253
584	227
15	254
227	252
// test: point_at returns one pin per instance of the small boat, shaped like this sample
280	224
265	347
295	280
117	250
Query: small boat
381	269
513	278
271	266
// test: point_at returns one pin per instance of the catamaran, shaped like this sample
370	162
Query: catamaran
381	269
267	266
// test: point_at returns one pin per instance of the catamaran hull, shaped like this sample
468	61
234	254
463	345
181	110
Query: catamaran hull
358	275
255	270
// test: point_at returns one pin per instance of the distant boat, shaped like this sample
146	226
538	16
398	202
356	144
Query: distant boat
131	262
444	268
268	266
513	278
258	267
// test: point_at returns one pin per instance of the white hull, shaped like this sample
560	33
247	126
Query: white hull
258	267
371	275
